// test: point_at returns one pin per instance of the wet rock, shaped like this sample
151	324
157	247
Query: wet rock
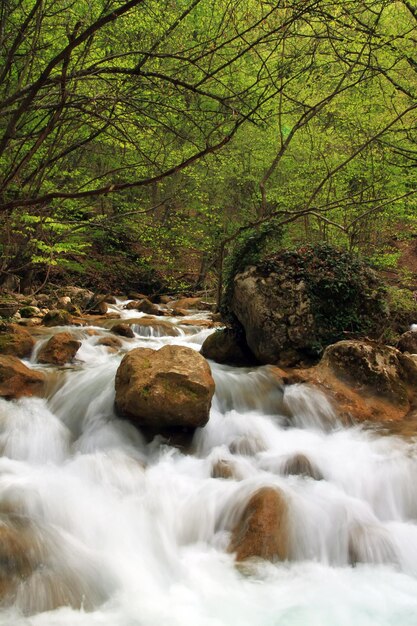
17	380
57	317
15	560
15	340
170	388
161	328
373	368
123	330
369	543
408	342
246	446
262	530
188	304
144	306
225	346
60	349
110	299
300	465
135	295
109	342
223	469
165	299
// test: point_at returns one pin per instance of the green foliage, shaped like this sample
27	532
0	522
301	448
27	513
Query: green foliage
403	309
249	248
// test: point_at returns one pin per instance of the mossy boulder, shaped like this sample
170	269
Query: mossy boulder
166	389
295	303
15	340
57	317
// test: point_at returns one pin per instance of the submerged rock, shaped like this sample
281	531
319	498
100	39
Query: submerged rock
17	380
15	340
262	530
60	349
170	388
300	465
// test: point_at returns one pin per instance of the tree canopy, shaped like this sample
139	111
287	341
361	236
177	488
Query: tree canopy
163	130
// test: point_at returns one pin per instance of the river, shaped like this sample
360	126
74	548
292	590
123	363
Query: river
131	533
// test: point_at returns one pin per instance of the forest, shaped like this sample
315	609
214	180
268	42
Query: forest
142	141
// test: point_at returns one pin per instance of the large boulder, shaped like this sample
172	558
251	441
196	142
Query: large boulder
227	346
15	340
17	380
373	368
164	389
60	349
367	382
262	530
294	304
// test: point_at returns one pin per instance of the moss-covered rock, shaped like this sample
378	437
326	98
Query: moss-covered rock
295	303
57	317
15	340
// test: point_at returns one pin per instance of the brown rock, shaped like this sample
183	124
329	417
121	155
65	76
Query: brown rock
60	349
15	340
365	381
161	328
110	342
165	299
408	342
15	561
57	317
224	346
262	530
123	330
17	380
223	469
373	368
246	446
170	388
300	465
187	303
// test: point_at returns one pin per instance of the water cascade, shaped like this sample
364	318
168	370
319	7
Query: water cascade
110	529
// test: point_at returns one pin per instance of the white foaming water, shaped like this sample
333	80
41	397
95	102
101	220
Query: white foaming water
127	533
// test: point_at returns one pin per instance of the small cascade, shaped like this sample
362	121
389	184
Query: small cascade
100	526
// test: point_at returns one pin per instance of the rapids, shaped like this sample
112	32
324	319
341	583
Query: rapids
130	533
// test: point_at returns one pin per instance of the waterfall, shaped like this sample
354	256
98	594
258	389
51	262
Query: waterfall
114	530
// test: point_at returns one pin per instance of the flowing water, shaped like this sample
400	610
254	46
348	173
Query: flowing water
130	533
